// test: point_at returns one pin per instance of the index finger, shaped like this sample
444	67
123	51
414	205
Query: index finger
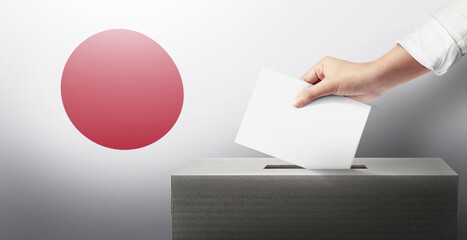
311	76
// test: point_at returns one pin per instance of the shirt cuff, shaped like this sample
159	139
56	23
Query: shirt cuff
432	46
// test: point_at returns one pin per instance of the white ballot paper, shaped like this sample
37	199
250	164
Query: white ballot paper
321	135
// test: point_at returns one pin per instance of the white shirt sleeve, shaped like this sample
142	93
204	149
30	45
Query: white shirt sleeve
441	40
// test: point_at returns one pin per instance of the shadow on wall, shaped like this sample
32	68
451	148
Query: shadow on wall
424	118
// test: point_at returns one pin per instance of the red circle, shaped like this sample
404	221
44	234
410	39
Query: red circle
121	89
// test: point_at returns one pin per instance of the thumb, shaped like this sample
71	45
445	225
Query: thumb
308	95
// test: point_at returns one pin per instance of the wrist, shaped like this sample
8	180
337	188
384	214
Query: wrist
378	75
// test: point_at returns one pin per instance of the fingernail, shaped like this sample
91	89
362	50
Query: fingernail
297	102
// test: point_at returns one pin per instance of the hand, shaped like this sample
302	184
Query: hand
359	81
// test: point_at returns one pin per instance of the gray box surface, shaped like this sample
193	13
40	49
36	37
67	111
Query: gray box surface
237	198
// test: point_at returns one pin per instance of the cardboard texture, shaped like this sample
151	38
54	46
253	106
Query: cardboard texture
228	198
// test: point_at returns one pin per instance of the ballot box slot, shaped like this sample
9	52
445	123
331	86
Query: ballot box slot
291	166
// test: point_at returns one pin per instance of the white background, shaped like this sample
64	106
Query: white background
56	184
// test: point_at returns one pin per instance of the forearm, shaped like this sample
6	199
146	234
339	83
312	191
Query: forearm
395	67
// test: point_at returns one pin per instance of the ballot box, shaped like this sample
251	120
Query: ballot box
267	198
